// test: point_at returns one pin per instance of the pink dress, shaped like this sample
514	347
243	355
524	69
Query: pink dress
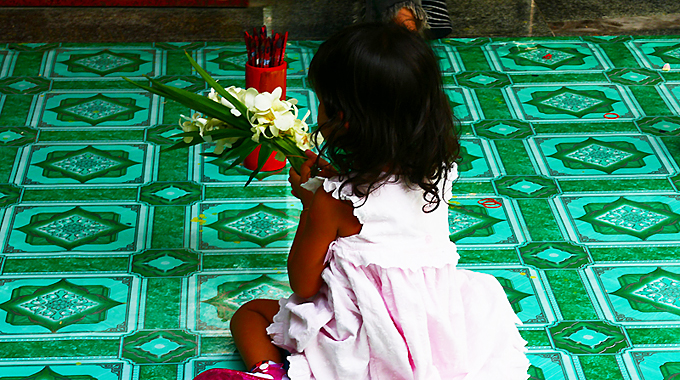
394	306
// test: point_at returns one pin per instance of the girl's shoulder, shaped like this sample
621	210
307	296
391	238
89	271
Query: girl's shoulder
328	204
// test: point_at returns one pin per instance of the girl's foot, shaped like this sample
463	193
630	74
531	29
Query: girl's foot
225	374
262	370
269	370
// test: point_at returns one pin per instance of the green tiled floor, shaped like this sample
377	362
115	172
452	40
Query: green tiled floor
119	261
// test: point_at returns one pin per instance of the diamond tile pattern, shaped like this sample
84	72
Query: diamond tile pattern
119	260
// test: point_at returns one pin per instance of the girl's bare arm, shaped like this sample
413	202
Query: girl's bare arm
320	224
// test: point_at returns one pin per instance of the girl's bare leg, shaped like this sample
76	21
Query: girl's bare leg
249	329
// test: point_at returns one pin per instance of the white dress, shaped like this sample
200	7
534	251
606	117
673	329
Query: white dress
394	306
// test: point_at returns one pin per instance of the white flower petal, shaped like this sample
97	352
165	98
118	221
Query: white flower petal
263	102
284	122
276	94
225	102
249	97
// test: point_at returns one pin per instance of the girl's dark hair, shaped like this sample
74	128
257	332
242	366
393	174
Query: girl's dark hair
388	115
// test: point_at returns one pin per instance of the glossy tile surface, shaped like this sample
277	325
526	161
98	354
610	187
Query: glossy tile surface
121	261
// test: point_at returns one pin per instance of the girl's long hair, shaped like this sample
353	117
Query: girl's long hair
388	114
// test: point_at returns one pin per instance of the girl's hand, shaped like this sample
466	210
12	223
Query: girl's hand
308	170
324	169
296	180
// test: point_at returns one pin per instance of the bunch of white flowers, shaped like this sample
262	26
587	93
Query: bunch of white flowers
269	117
236	120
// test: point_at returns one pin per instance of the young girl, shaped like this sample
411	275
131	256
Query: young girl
376	291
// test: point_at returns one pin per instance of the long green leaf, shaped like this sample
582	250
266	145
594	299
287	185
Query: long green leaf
243	153
236	148
197	102
203	104
213	83
265	151
223	133
181	144
186	134
295	155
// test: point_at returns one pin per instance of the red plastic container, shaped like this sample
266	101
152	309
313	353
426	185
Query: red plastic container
271	165
266	79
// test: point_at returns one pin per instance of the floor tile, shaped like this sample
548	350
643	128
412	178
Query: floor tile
123	110
68	306
216	296
653	364
621	219
84	63
546	56
594	156
80	370
637	295
75	227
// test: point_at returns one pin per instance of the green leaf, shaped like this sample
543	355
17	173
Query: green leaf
223	133
295	155
265	151
243	153
202	104
181	144
185	134
213	83
196	102
239	152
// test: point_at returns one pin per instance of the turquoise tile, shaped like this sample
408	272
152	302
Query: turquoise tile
526	294
69	306
598	220
484	222
80	227
248	224
593	156
477	160
94	164
546	56
652	364
113	62
70	369
551	364
632	295
654	53
572	103
120	110
217	295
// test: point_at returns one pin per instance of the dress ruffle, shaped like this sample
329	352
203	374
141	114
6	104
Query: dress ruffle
334	187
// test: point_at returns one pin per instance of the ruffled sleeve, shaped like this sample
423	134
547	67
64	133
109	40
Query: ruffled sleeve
334	187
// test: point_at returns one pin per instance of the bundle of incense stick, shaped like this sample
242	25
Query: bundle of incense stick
265	51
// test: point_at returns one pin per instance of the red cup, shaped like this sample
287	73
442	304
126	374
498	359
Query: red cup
271	165
266	79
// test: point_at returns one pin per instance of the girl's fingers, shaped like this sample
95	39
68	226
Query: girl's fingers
310	154
306	170
324	169
294	180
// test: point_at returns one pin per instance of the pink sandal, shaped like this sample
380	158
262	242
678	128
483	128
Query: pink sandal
262	370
